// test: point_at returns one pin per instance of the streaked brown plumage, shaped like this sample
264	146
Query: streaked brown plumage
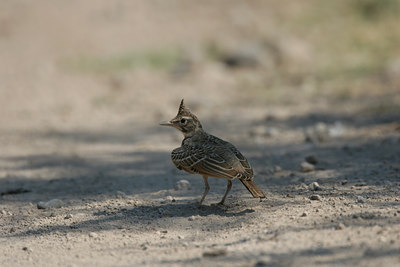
207	155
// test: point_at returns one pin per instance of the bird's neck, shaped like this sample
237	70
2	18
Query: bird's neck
193	134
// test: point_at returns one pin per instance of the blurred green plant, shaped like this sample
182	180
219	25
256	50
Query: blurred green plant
213	51
375	9
150	59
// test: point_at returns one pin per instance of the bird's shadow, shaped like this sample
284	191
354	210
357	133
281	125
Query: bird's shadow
150	215
174	209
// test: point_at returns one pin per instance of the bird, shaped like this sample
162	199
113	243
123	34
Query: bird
207	155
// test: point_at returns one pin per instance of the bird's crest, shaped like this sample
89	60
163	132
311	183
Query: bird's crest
183	111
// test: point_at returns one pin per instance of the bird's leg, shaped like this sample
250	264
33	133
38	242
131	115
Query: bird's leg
207	188
228	188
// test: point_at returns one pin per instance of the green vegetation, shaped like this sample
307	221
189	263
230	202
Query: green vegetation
150	59
376	9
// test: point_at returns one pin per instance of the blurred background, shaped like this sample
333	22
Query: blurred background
257	72
73	64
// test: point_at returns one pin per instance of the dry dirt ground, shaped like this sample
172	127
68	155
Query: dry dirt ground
79	113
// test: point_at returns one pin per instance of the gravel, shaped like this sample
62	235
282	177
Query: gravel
314	186
315	197
312	159
51	204
93	235
340	226
307	167
215	253
182	185
277	168
361	199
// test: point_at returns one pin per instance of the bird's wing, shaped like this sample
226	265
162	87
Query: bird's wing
243	161
245	169
211	160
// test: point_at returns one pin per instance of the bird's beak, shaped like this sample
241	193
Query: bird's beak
166	123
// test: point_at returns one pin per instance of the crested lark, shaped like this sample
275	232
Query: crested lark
207	155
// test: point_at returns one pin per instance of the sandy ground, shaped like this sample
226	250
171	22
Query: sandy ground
89	142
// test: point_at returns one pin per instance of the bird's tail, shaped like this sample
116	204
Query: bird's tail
253	188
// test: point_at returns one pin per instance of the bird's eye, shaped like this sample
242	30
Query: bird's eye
183	120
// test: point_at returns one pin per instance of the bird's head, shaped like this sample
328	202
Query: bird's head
184	121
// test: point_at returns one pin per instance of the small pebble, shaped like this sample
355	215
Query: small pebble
340	226
170	198
121	195
214	253
337	129
27	249
307	167
312	159
69	216
304	214
314	186
317	133
54	203
361	199
315	197
192	218
361	184
93	235
272	131
182	185
277	168
263	263
166	214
